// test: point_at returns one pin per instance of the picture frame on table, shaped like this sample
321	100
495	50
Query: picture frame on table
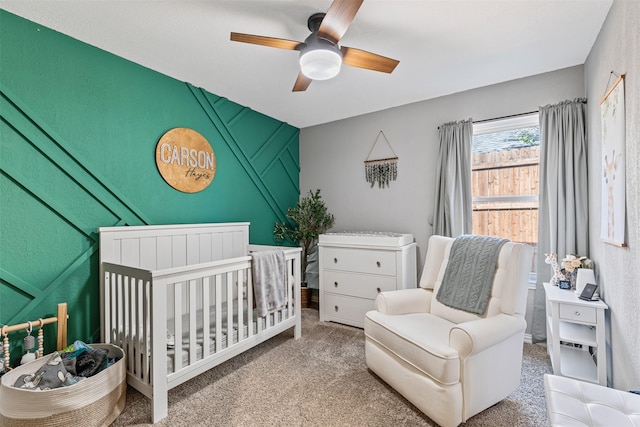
564	284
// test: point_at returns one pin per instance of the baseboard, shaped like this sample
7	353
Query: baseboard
528	339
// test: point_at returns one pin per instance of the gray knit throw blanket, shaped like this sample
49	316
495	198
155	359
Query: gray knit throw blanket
469	275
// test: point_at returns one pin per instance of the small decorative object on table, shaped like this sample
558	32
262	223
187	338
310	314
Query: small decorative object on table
584	276
552	260
571	266
589	292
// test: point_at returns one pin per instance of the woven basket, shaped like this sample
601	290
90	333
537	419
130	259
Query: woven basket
94	401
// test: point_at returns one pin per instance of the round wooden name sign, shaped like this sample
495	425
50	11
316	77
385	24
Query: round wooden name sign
185	160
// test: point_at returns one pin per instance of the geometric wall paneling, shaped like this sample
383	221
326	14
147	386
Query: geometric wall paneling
269	157
78	130
41	136
56	202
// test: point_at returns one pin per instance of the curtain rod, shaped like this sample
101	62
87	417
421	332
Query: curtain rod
505	117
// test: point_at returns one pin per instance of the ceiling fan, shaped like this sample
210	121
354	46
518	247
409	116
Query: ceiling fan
320	55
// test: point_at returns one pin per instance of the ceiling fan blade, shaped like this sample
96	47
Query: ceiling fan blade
371	61
265	41
338	19
302	83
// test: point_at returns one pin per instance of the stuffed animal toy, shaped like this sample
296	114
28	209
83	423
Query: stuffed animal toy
552	260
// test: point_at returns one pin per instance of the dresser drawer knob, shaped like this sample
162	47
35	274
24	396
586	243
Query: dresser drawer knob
577	313
378	289
335	260
335	284
378	263
336	308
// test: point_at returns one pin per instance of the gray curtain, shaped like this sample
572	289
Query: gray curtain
452	205
563	225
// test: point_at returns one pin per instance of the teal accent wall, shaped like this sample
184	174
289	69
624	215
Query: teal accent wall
78	132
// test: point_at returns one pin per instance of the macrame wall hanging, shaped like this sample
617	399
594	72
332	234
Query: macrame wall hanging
381	170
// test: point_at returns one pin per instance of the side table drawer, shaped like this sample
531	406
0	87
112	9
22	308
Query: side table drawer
357	285
577	313
360	261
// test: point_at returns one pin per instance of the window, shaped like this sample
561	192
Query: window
505	165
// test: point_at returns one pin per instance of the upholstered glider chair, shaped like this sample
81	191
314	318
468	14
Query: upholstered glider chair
453	363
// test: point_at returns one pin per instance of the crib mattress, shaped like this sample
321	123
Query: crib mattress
184	350
171	351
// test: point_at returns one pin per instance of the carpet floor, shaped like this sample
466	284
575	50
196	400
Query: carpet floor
320	380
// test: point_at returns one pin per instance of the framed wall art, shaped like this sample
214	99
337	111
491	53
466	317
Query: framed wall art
612	218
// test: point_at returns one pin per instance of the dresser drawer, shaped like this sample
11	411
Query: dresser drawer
577	313
345	309
360	261
355	284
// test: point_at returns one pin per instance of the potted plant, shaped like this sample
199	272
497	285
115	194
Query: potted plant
307	220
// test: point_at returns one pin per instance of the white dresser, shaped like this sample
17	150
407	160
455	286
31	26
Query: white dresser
356	266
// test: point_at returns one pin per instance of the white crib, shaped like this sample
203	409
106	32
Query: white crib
179	300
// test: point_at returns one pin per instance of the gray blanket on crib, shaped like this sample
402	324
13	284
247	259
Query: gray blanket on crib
269	270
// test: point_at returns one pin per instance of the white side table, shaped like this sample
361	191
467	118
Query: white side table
580	326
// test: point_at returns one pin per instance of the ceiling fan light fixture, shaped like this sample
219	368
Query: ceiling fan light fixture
320	64
321	57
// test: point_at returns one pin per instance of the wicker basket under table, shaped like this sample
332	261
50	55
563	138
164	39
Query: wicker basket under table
94	401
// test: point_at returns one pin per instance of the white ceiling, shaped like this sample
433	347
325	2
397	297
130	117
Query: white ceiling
444	46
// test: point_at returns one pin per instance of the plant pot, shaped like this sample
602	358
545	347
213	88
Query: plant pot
305	297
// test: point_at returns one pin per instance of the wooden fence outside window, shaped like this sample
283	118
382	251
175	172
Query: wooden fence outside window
505	194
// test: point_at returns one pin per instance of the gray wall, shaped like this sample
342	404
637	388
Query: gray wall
617	48
332	155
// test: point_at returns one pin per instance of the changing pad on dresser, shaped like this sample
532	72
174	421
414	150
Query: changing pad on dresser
372	238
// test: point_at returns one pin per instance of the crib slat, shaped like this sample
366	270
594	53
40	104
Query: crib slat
229	309
206	317
289	286
105	309
122	321
130	319
250	330
177	326
193	330
110	308
134	330
135	285
240	300
118	311
218	302
146	332
140	337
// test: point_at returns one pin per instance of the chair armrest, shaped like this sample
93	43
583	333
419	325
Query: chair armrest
477	335
404	301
